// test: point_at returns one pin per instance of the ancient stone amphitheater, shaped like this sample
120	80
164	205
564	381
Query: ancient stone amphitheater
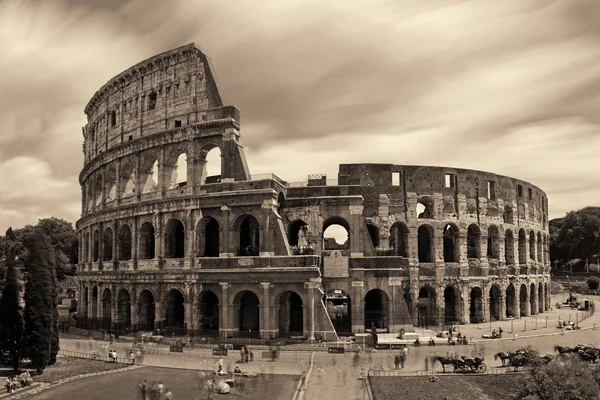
166	245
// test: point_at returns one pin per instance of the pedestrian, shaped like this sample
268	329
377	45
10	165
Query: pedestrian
355	359
320	375
397	360
402	357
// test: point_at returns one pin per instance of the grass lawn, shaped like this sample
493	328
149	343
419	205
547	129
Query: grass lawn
493	387
64	368
183	384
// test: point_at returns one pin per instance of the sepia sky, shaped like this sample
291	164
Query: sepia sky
511	87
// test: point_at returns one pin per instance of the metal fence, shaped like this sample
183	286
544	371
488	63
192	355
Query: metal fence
92	356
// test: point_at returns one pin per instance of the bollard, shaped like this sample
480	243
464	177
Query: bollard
524	325
546	322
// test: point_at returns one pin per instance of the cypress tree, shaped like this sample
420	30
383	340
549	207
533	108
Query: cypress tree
39	303
11	320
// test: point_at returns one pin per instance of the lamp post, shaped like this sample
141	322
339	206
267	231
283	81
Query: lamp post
570	295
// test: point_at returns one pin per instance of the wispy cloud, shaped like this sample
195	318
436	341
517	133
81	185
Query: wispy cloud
509	87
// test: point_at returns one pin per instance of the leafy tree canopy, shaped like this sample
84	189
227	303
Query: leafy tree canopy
577	235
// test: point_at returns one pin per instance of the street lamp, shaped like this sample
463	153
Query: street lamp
570	295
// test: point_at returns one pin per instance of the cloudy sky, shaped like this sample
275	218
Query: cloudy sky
511	87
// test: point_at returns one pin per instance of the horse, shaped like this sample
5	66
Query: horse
591	355
444	361
564	350
503	356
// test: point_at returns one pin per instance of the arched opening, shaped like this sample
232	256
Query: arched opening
86	248
94	315
124	242
248	314
399	239
339	309
532	300
473	239
111	184
147	241
495	303
336	234
547	296
291	322
511	311
175	310
509	247
212	167
299	238
532	245
146	311
451	244
373	234
175	239
376	307
426	309
493	243
523	305
425	243
128	179
106	309
451	305
207	234
522	247
424	208
86	302
124	310
151	172
476	305
209	313
507	216
540	298
98	189
107	245
179	174
540	248
96	250
249	237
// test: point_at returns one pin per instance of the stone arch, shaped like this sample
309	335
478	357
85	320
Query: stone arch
248	239
451	243
339	308
424	208
208	308
147	241
107	244
511	301
540	298
523	305
175	239
106	309
124	309
124	242
532	299
111	184
473	241
96	250
208	237
247	306
149	174
495	303
427	307
333	235
298	233
290	314
540	248
178	170
476	305
212	166
146	310
376	309
532	245
98	190
425	243
509	247
399	239
373	234
451	305
174	310
493	242
522	247
127	185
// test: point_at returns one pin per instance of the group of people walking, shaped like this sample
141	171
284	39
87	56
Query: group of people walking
153	391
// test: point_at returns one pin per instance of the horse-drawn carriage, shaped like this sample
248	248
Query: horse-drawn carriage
463	364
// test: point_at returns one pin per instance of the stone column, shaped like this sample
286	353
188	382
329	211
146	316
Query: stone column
224	322
265	320
115	243
90	299
134	310
462	246
503	304
225	235
189	306
135	242
413	246
311	309
356	230
358	308
441	304
99	309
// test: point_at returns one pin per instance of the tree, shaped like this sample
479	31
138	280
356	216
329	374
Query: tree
577	235
64	240
563	379
593	283
11	320
39	314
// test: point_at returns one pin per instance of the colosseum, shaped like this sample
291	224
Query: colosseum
165	244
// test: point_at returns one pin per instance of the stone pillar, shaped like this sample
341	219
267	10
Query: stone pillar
99	309
438	247
356	230
90	299
135	242
485	303
441	304
159	251
501	250
503	304
358	307
115	242
311	309
134	310
462	246
266	247
226	245
527	302
265	320
413	245
465	310
224	322
189	307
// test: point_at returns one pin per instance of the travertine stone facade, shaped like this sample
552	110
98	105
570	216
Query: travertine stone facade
163	245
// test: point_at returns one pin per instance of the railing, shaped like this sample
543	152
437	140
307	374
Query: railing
93	356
